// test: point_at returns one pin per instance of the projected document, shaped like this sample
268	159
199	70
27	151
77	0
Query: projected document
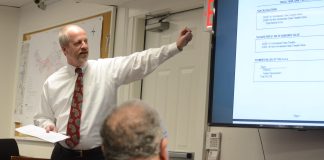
279	71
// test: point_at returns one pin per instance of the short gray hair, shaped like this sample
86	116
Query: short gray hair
132	130
63	37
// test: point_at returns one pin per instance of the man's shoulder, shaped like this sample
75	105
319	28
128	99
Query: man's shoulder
59	73
100	61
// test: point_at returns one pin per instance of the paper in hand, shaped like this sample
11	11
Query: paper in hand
39	132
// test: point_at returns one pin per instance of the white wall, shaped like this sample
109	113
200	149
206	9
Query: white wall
8	52
278	144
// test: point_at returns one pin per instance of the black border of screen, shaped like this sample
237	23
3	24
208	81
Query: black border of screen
211	91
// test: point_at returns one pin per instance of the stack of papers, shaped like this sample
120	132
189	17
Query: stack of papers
39	132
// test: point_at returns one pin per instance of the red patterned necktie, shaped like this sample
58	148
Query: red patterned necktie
73	127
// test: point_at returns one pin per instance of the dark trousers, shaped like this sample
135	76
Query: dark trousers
61	153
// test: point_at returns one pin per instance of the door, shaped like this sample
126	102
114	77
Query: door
178	88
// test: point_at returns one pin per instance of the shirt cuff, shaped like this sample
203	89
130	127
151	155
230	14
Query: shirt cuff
174	47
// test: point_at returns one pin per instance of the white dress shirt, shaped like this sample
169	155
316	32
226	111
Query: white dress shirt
101	80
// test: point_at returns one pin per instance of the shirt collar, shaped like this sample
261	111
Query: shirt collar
71	69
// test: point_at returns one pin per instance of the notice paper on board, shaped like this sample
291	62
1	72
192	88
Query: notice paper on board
39	132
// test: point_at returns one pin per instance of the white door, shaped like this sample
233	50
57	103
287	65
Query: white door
178	88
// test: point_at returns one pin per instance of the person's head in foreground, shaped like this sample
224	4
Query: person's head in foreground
133	131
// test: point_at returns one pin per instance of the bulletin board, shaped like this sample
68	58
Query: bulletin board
41	56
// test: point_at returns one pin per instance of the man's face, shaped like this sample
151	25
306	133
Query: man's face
76	51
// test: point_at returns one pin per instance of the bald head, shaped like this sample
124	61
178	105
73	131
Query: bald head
129	114
64	33
132	131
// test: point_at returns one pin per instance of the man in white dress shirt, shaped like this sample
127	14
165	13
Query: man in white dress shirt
101	79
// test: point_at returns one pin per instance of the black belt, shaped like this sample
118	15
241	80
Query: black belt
80	153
